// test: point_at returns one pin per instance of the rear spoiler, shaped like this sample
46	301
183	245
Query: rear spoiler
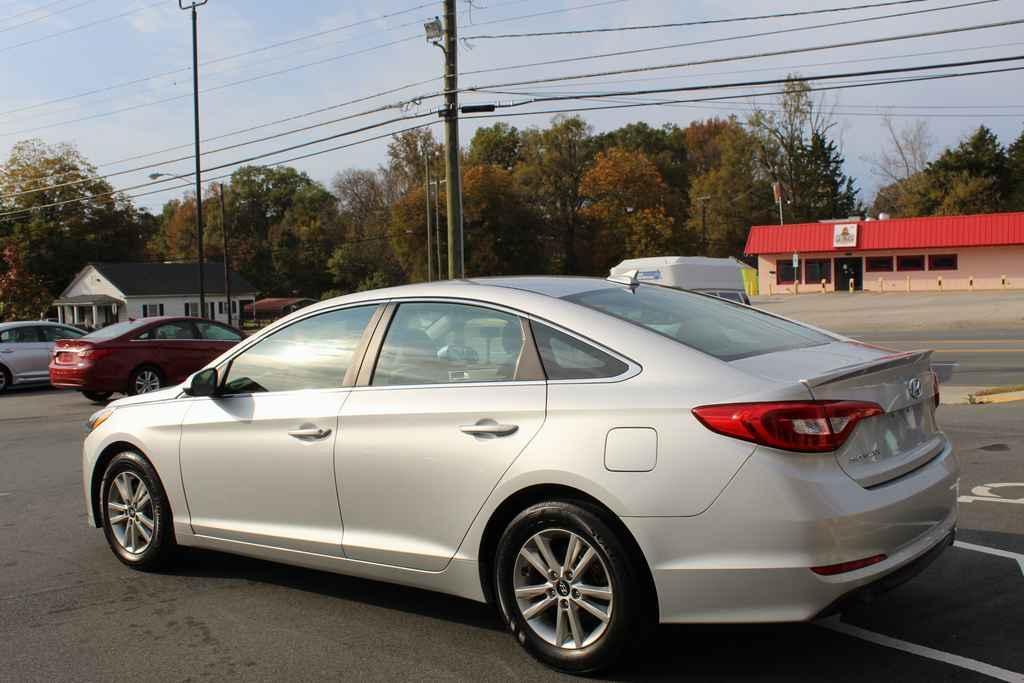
859	369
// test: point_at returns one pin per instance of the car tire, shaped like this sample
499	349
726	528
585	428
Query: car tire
98	396
142	380
136	521
566	634
5	379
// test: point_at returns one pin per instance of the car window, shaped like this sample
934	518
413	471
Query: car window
19	335
170	332
54	332
730	295
217	332
311	354
116	330
565	357
439	343
725	332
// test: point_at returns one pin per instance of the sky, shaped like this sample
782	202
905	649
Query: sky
116	82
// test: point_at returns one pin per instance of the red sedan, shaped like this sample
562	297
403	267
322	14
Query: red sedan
139	356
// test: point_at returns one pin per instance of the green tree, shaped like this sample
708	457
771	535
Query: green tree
56	239
554	162
1015	170
732	194
498	145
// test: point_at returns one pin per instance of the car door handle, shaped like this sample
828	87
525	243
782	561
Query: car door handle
489	429
311	433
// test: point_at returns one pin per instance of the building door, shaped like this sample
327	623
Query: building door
849	269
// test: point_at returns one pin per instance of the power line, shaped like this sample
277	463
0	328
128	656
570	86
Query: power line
790	68
697	22
45	16
238	162
734	58
765	82
218	150
30	11
81	27
812	88
171	72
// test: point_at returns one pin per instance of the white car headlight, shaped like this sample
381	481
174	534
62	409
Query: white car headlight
97	418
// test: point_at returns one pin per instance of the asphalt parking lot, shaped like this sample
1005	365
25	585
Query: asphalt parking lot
71	611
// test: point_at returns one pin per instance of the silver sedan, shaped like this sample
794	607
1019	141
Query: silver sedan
25	349
591	456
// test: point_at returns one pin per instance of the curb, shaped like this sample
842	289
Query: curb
997	398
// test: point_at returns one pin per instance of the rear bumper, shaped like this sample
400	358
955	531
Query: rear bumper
83	379
748	557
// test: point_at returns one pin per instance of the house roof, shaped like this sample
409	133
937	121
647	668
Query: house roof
170	279
277	305
981	230
97	299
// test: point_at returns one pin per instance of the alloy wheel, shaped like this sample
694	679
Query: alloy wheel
130	512
563	589
146	381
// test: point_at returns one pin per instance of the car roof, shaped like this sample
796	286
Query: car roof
27	323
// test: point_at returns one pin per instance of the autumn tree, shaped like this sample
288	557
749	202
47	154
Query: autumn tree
731	194
23	296
625	196
65	215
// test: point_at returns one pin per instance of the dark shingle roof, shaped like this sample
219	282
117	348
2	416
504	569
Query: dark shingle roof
170	279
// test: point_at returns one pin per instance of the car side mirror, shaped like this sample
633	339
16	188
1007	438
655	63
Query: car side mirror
204	383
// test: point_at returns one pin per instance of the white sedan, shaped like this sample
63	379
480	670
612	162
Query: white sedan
592	456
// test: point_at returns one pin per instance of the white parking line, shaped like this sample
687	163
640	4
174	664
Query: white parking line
992	551
834	624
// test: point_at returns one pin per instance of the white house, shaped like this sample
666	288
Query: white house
105	293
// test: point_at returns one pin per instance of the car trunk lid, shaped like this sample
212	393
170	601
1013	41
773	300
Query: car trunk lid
885	446
68	351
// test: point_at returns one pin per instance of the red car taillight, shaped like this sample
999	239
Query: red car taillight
802	426
94	354
852	566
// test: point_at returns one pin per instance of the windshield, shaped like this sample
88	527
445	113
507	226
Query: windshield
710	325
115	330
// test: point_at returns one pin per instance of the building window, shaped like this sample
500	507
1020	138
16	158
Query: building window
785	273
909	263
234	306
220	307
192	309
878	264
152	310
942	262
817	269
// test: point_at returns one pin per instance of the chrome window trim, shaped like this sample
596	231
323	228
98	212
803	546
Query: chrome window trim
238	349
370	354
632	367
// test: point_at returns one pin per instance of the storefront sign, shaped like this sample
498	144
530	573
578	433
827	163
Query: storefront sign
844	235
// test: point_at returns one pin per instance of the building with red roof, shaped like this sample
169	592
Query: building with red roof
984	251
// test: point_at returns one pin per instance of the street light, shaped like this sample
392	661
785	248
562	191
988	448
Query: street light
199	181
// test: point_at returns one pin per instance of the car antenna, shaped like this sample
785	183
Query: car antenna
628	278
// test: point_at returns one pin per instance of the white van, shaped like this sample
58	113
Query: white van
721	277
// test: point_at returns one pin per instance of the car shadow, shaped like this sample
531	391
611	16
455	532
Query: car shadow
203	563
774	652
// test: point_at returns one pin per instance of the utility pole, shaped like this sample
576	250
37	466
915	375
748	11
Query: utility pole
426	183
227	268
704	223
437	224
456	263
199	180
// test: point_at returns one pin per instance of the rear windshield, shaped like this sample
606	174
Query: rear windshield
710	325
115	330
